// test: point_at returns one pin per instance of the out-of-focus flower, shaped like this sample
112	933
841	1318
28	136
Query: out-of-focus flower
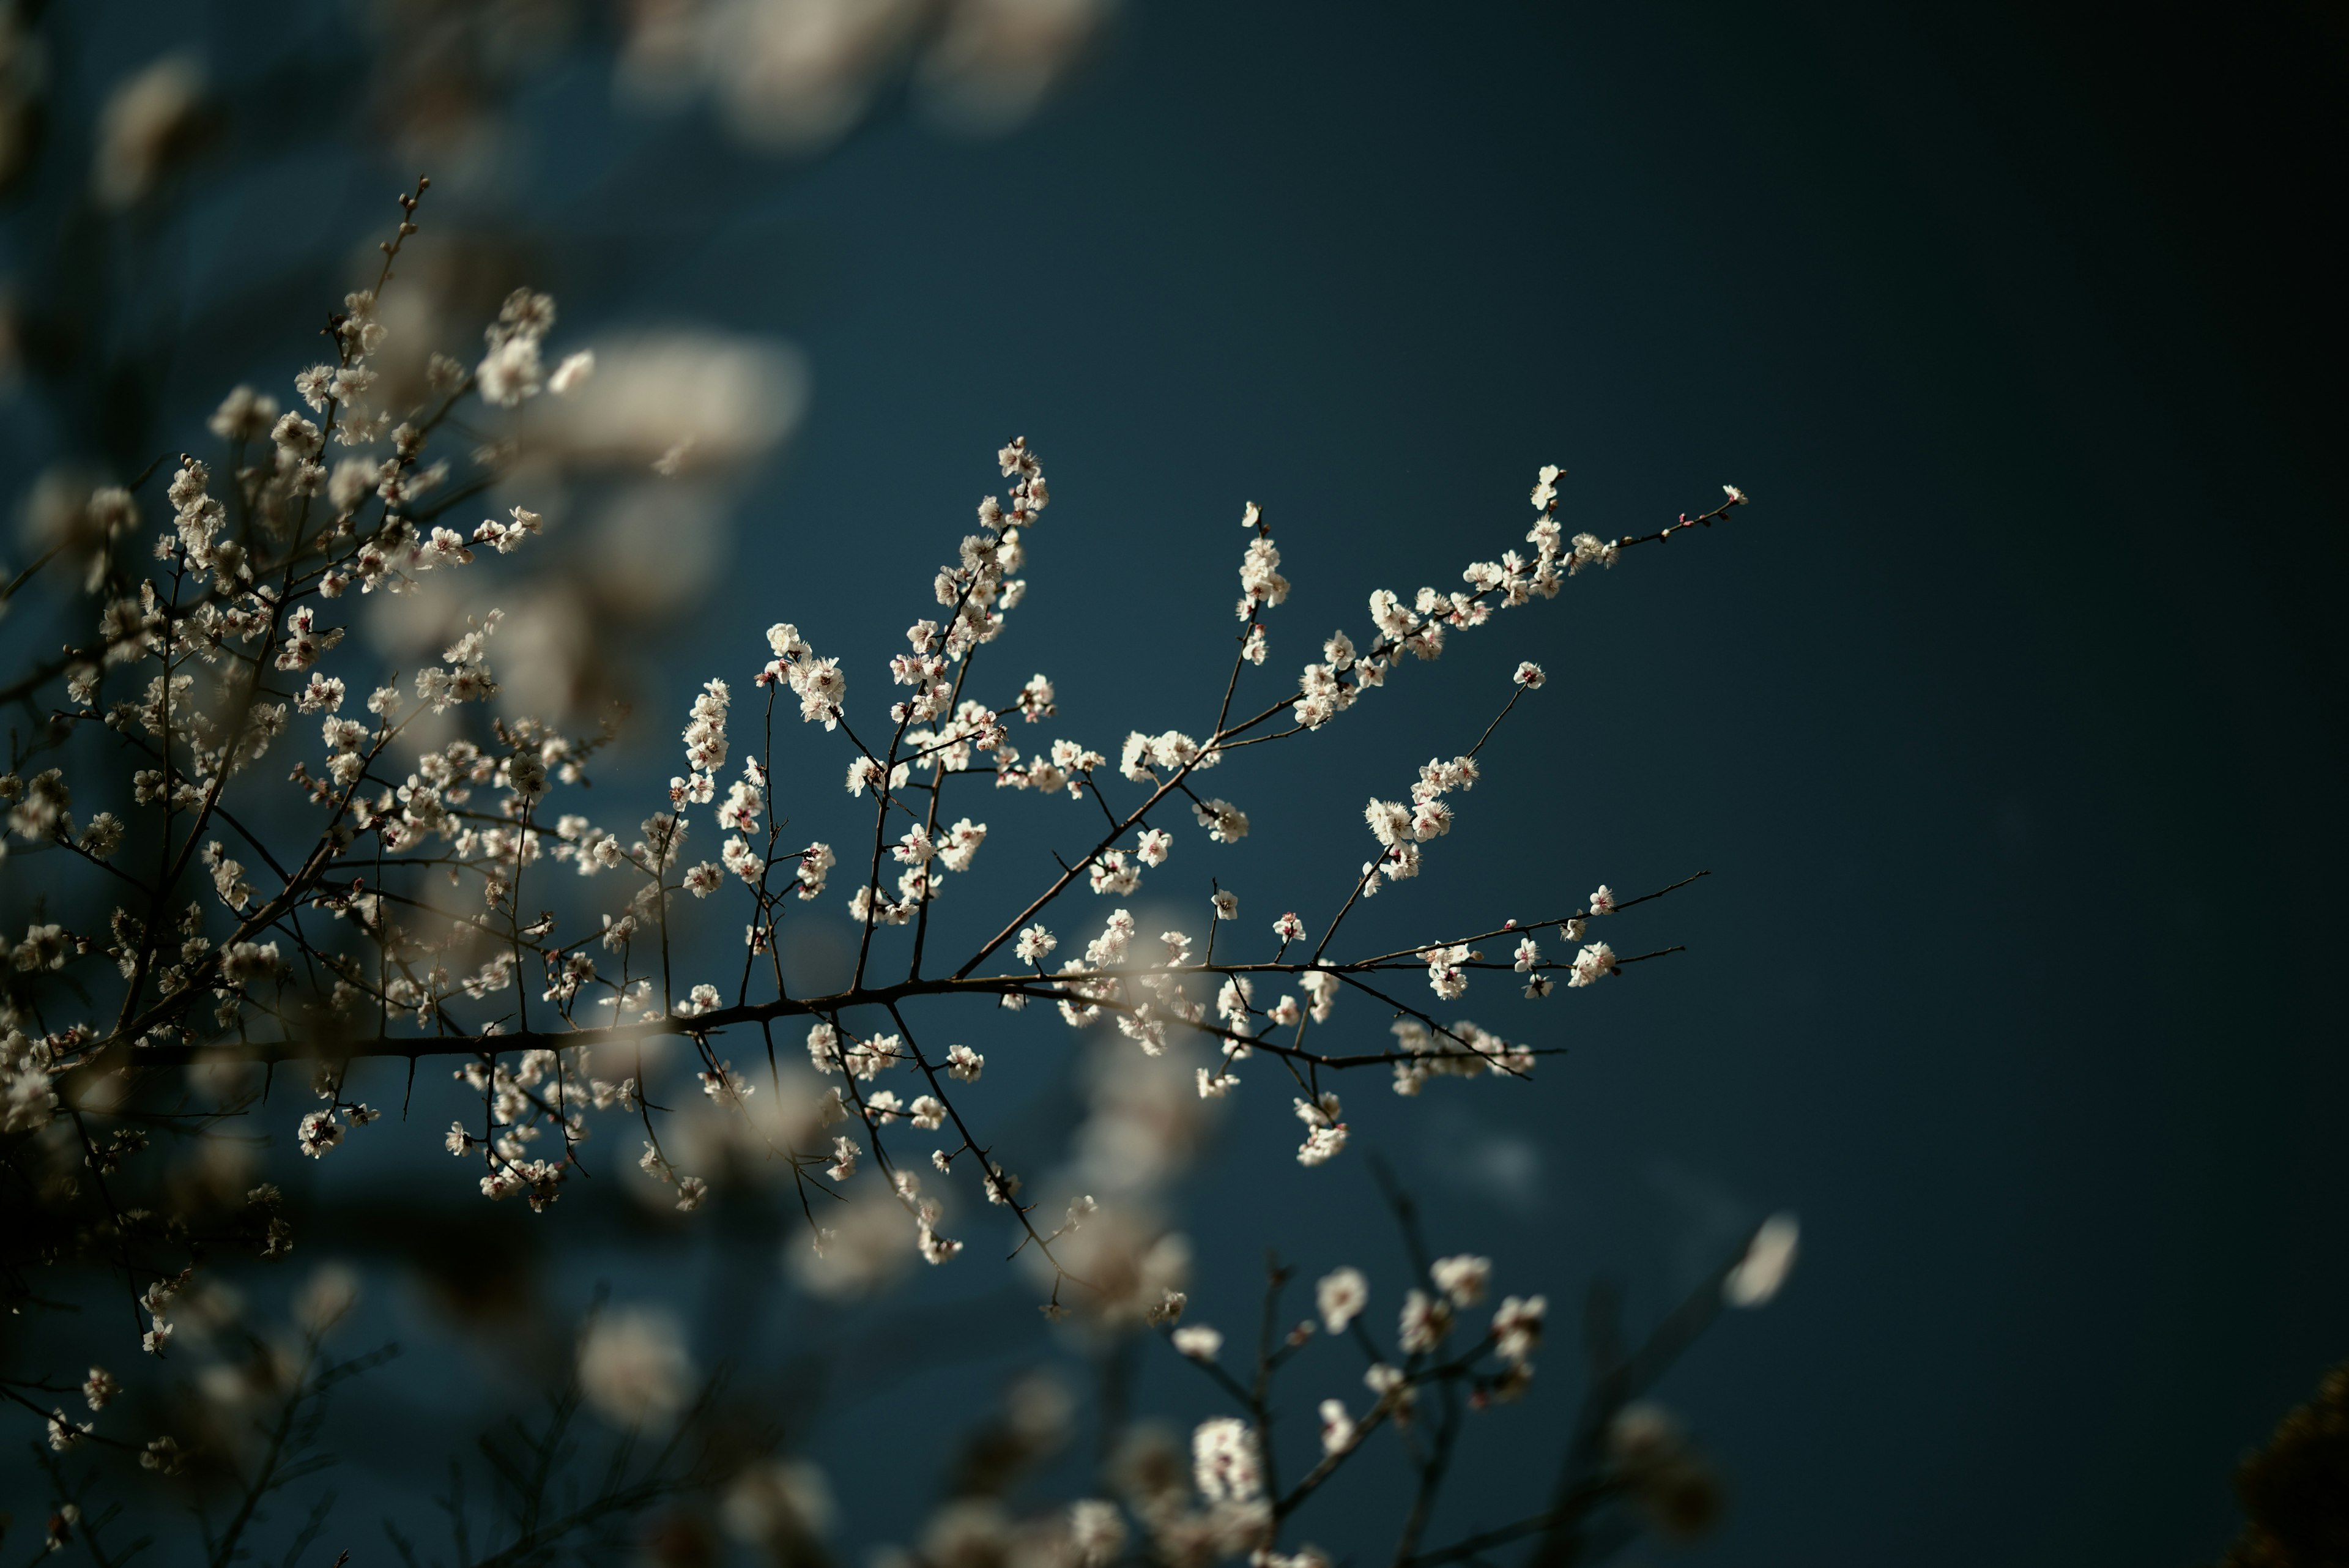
782	1506
327	1299
152	120
733	397
1770	1258
1341	1296
653	546
634	1369
793	75
995	61
1671	1483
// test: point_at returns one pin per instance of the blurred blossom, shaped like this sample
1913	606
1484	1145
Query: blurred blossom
793	75
1129	1256
207	1308
654	543
634	1370
1144	1125
1038	1408
733	398
326	1299
859	1247
152	120
969	1532
781	1506
218	1170
70	512
1146	1120
1035	1422
654	556
995	60
444	71
1768	1262
265	1374
550	642
1664	1475
1150	1469
747	1143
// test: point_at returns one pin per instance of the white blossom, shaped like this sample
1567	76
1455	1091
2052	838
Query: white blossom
1517	1326
1325	1134
1225	1465
1225	823
634	1369
1545	486
1592	963
1339	1296
1198	1342
1338	1427
1462	1278
1097	1532
573	373
1425	1321
1769	1259
1447	973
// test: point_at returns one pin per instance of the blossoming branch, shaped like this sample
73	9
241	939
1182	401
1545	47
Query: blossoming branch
380	894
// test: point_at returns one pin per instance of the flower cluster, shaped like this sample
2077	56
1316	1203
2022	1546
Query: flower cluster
394	892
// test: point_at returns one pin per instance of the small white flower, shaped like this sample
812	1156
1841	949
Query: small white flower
65	1432
1325	1134
1517	1326
1463	1278
1425	1321
1338	1428
1545	486
318	1132
1592	965
1340	1295
843	1159
1447	972
1224	1463
100	1388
